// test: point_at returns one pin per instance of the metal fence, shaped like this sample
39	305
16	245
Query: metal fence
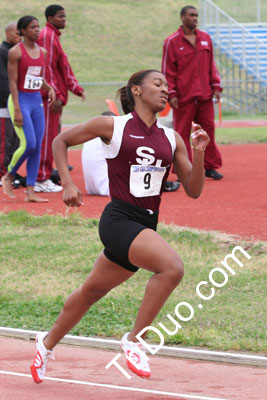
241	58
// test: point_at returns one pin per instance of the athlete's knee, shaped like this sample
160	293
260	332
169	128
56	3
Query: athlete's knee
93	293
175	270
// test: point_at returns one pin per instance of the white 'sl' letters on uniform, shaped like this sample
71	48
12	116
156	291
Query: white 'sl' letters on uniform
148	158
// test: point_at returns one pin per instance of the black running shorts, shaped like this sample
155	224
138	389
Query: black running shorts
119	225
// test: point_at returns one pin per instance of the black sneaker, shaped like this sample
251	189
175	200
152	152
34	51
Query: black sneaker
55	178
171	186
211	173
16	184
21	180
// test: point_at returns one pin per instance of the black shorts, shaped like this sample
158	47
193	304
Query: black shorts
119	225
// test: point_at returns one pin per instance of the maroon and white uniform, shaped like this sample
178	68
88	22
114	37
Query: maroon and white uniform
30	71
139	160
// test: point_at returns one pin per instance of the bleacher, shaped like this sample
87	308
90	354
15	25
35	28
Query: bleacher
245	45
241	55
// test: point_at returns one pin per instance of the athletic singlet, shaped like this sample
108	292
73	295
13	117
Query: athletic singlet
30	71
139	160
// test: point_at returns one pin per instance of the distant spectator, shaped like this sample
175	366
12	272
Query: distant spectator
59	75
26	61
9	141
193	79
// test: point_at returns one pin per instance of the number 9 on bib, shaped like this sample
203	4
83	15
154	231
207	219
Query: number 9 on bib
146	180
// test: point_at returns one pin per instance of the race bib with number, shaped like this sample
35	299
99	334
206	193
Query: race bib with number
32	82
146	180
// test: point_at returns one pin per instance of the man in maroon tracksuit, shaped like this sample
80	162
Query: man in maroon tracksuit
193	79
59	75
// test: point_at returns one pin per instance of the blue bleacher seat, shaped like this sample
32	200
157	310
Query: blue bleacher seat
246	47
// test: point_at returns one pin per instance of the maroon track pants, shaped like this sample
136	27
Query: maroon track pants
202	113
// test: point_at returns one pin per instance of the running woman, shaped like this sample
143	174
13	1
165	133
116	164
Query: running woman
139	152
26	61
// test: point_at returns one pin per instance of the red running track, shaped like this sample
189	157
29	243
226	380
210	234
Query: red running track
236	205
241	123
79	373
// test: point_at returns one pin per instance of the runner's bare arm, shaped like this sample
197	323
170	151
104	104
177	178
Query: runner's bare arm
14	56
102	127
191	176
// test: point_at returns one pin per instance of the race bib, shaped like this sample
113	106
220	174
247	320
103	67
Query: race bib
33	82
146	180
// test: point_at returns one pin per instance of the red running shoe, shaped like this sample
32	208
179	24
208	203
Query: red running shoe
38	366
136	358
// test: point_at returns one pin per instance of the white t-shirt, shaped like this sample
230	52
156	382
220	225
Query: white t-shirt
95	170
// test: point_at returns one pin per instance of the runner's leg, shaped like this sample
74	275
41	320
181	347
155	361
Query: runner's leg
151	252
104	276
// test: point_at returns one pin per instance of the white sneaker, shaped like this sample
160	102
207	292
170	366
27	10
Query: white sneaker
47	187
38	366
136	358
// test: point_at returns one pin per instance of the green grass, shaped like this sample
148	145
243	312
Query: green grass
241	135
108	40
43	259
243	11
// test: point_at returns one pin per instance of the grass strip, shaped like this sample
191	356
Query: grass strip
44	258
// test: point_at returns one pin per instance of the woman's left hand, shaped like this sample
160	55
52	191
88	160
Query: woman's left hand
200	138
51	96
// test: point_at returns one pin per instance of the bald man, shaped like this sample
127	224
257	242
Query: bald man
8	138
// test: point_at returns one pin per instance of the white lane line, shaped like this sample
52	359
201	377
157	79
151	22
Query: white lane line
70	339
130	389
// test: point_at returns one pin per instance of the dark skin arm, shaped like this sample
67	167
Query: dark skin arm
96	127
46	86
51	93
57	106
14	55
174	103
217	96
191	176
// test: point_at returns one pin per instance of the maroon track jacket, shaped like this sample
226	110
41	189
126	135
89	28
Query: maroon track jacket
57	72
191	71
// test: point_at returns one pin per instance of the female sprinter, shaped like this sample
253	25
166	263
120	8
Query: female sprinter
26	61
139	153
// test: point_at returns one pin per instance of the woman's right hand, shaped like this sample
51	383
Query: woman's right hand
72	196
18	118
